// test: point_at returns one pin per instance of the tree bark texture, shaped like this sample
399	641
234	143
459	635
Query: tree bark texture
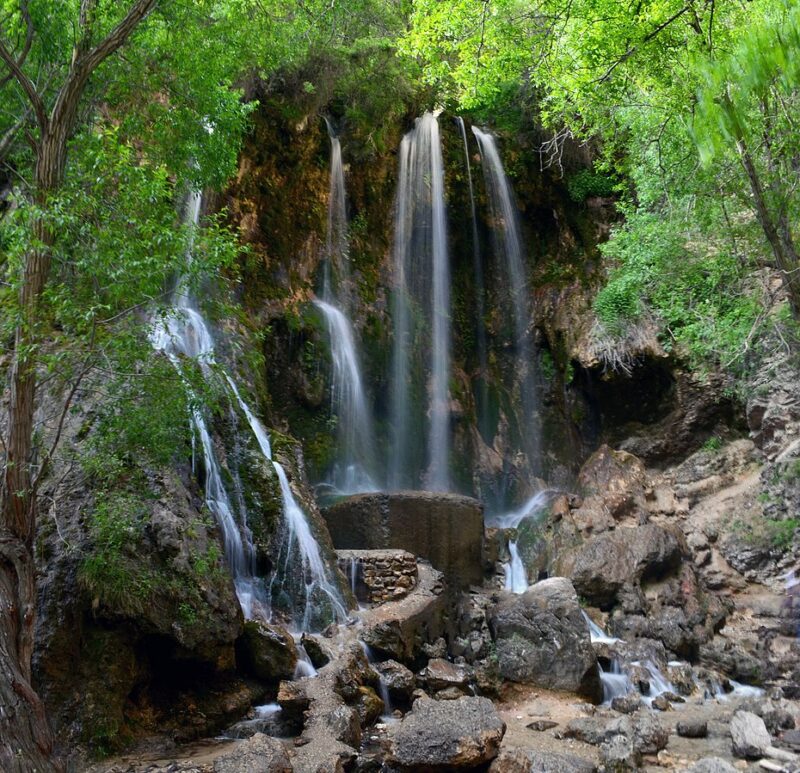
26	740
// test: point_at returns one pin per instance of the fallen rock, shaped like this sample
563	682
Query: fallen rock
619	755
399	680
627	704
259	754
453	734
649	735
692	728
606	562
750	736
540	725
542	639
534	761
267	651
440	674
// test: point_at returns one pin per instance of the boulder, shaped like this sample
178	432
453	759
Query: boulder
266	651
537	761
259	754
542	639
692	728
369	705
463	733
749	735
606	562
649	735
619	755
399	680
440	674
617	478
446	529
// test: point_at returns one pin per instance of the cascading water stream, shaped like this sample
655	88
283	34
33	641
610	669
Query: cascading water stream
516	576
508	243
353	471
482	394
184	333
336	272
298	538
422	289
356	451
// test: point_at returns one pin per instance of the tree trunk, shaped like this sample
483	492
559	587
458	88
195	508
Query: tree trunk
26	741
782	245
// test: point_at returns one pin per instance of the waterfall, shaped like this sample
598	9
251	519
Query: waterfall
356	452
299	542
596	633
336	273
508	243
615	682
516	576
422	291
533	508
184	333
481	396
356	456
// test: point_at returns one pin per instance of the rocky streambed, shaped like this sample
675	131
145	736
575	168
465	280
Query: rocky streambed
655	632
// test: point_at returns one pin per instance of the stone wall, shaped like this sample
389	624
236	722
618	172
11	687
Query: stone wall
376	576
446	529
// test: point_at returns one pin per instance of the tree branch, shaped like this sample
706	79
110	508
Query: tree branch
27	86
23	8
85	64
646	39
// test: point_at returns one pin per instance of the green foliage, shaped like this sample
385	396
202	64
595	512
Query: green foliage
111	572
589	182
713	444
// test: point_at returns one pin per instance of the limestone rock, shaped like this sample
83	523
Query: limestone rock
750	736
607	562
692	728
452	734
542	639
399	680
619	755
440	674
259	754
536	761
267	651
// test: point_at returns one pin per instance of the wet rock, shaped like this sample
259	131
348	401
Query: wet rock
619	755
692	728
368	705
627	704
440	675
292	698
661	703
536	761
542	639
711	765
317	650
452	734
345	725
749	735
399	680
266	651
259	754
